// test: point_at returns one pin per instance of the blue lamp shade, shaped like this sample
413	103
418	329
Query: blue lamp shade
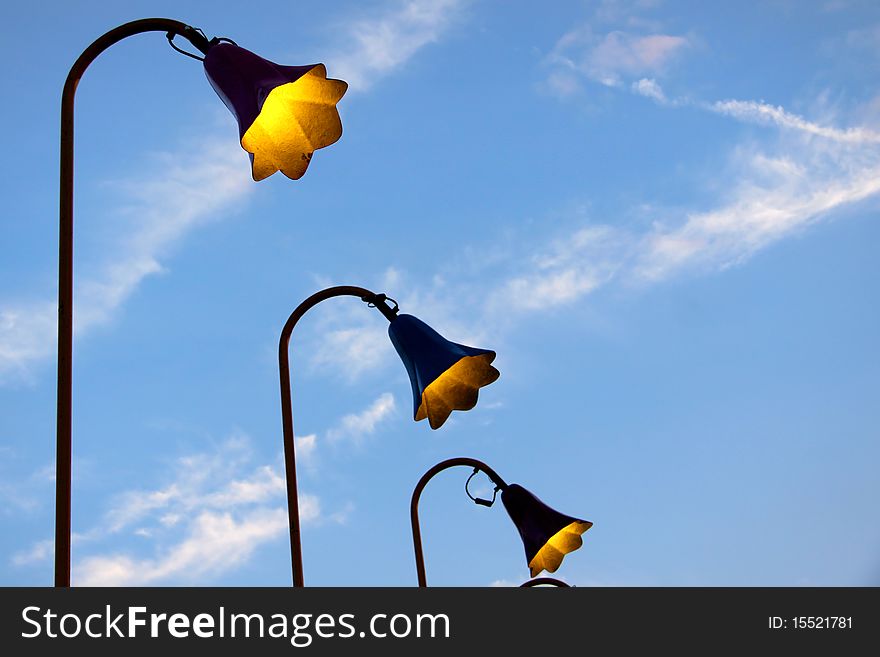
284	113
547	535
445	376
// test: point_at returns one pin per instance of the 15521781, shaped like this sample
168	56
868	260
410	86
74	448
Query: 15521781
810	623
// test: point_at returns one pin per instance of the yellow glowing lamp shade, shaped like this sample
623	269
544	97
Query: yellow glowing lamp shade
297	119
547	535
445	376
568	539
456	389
284	113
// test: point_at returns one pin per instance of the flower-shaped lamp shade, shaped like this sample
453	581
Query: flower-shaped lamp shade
547	535
445	376
284	113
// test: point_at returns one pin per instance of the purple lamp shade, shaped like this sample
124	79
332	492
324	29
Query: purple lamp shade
547	534
284	113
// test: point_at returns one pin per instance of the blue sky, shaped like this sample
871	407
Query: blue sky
661	215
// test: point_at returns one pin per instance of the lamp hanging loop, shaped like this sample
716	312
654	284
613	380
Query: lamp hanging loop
170	37
479	500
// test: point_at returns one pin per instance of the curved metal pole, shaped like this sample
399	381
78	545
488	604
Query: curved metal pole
65	271
545	581
287	405
417	493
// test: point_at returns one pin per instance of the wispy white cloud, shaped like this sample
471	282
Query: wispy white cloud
156	211
563	270
353	350
27	334
341	516
38	552
864	40
22	494
804	175
763	113
197	481
351	340
801	173
217	509
216	543
305	449
263	484
619	45
649	88
610	59
376	46
355	426
159	210
760	213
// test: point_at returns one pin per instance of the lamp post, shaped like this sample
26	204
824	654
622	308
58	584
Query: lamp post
444	376
284	114
547	535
